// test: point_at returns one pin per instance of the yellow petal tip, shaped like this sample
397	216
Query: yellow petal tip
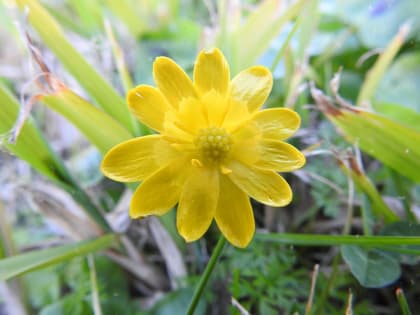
188	236
240	242
133	213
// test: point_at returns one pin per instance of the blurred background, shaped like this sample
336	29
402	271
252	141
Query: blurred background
60	59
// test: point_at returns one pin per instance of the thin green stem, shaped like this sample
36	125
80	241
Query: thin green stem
285	44
350	209
366	214
405	309
206	275
94	286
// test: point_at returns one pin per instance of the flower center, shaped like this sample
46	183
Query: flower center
213	143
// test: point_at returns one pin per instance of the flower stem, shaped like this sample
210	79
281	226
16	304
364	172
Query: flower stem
205	276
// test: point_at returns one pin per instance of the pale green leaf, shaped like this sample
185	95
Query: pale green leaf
400	114
393	144
388	141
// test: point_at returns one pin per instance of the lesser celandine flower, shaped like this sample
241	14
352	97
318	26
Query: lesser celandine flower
214	148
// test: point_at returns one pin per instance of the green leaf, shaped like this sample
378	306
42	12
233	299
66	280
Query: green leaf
176	302
400	113
101	129
52	35
310	17
371	267
70	305
364	184
43	287
388	141
30	145
392	143
23	263
89	13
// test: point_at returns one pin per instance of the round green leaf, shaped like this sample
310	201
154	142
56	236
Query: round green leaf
371	267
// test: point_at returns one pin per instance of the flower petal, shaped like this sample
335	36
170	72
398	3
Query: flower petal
234	215
191	116
252	86
175	130
279	156
277	123
197	203
135	159
161	190
215	107
148	105
237	114
265	186
211	72
172	81
245	147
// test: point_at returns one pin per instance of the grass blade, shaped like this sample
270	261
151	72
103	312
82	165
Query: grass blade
101	129
50	32
336	240
126	11
23	263
376	73
94	286
119	58
269	21
30	145
405	309
363	182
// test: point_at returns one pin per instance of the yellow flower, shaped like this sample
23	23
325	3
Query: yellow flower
214	148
